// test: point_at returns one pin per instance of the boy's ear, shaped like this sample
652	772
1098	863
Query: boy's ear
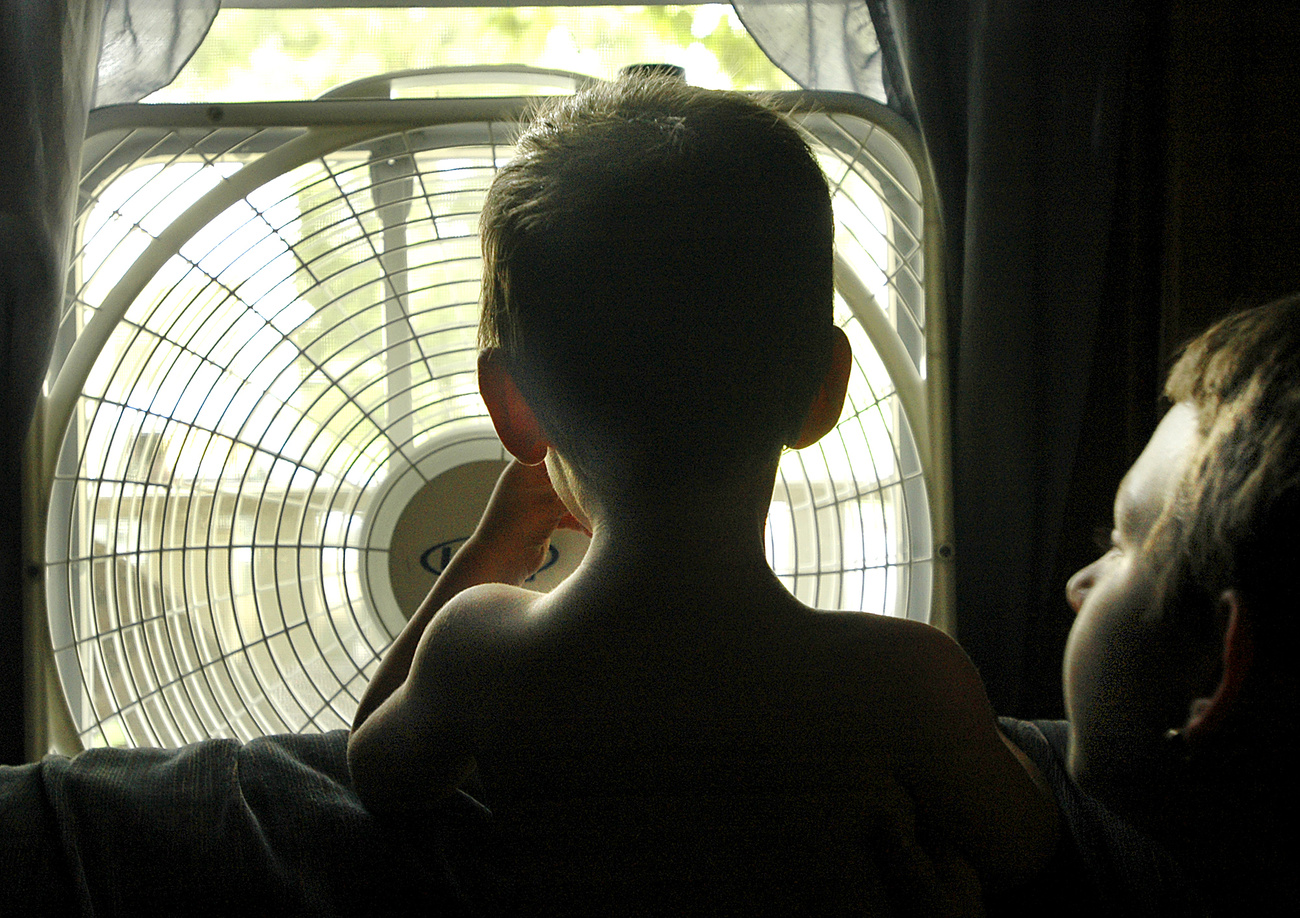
1208	715
512	417
824	413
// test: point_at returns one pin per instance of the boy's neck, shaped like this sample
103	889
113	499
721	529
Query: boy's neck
719	535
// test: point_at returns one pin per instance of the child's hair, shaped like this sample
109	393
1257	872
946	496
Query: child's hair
658	277
1235	520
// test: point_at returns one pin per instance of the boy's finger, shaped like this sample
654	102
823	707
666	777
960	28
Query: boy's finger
569	521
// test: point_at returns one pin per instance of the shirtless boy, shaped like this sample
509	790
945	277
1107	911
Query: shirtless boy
657	327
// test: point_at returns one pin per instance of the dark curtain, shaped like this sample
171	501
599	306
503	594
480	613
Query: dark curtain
47	51
1023	107
1026	110
55	56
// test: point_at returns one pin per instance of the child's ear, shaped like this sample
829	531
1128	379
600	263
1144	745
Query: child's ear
512	417
1208	715
824	413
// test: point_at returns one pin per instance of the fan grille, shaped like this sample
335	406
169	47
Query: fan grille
299	361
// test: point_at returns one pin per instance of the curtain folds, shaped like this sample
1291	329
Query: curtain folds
146	43
47	50
820	44
1022	106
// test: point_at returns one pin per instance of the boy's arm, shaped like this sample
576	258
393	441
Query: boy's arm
412	738
508	546
973	785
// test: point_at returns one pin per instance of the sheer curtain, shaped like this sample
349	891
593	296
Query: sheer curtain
820	44
59	59
1022	106
146	43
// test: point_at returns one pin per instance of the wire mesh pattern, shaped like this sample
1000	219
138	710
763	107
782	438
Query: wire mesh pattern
213	561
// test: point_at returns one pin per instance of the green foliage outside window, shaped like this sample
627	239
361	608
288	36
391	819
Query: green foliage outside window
268	55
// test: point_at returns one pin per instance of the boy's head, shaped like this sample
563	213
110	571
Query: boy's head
658	279
1236	521
1234	524
1188	622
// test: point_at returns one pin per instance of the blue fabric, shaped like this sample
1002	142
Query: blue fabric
273	827
223	828
1104	866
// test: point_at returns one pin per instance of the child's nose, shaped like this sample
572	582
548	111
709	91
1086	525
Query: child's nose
1077	587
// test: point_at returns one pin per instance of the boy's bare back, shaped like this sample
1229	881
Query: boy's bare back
656	330
654	671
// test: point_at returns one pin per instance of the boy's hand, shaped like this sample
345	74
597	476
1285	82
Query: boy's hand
508	546
513	537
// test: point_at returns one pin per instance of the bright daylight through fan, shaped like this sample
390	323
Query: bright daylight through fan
263	436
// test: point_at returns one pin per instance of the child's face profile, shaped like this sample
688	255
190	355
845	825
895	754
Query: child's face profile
1118	670
567	487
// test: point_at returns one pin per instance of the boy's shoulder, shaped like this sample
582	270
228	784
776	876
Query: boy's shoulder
495	619
888	676
915	651
481	618
469	639
910	679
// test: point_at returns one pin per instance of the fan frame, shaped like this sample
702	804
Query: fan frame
342	121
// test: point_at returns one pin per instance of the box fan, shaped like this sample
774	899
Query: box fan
261	437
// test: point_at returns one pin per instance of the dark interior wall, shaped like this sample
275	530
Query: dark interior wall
1209	222
1232	161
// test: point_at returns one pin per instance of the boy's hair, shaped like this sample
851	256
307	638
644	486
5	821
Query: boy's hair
658	277
1235	520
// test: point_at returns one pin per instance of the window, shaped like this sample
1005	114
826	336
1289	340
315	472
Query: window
265	376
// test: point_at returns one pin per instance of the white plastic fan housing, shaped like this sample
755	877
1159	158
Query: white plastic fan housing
262	436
